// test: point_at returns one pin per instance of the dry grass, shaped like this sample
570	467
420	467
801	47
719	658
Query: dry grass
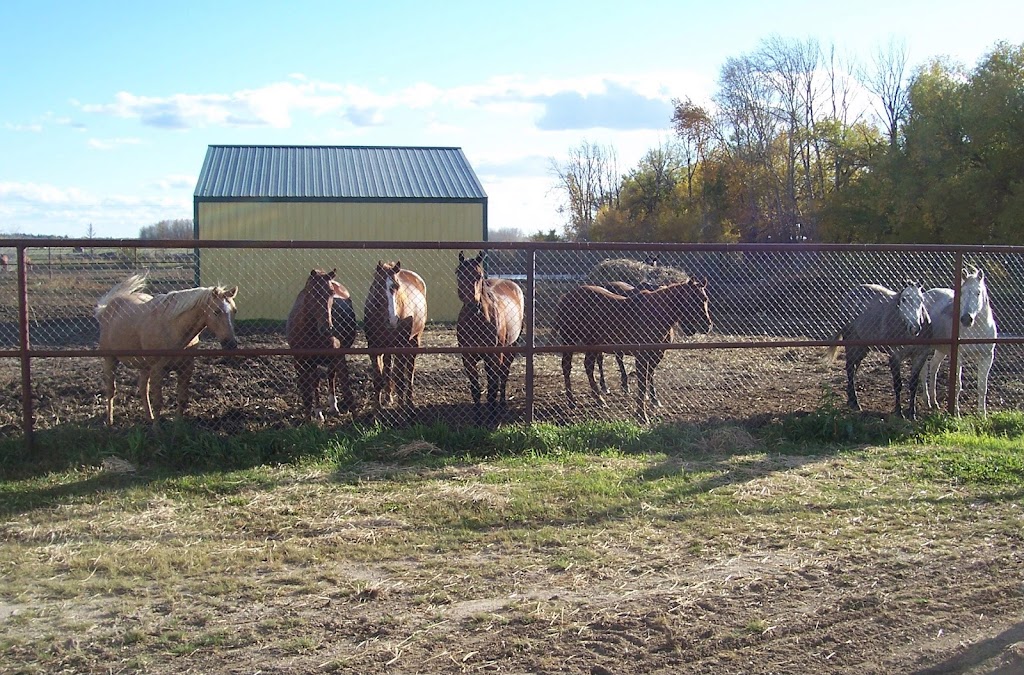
730	559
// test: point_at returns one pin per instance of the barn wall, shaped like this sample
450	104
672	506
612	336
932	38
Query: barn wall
270	279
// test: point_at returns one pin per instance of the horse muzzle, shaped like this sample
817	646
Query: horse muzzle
966	320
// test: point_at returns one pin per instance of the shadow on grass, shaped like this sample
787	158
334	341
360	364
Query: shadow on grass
360	449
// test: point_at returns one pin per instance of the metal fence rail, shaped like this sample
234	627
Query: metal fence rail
773	307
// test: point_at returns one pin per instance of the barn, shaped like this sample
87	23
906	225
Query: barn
333	193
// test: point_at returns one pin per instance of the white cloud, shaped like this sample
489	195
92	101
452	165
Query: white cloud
32	128
37	208
176	182
112	143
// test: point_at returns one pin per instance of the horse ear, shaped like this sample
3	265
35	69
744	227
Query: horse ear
312	273
398	266
462	257
480	257
333	273
230	293
380	265
981	273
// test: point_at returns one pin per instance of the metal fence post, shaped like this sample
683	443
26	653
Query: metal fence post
27	413
954	336
531	302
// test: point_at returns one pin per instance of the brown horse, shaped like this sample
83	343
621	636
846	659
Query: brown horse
590	315
492	315
322	317
133	319
4	262
625	289
394	315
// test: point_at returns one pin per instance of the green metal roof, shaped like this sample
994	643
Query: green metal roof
337	172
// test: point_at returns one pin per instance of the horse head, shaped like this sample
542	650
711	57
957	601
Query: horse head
693	307
386	278
318	299
973	296
219	312
912	310
469	280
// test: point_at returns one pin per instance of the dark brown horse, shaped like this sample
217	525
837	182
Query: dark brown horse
394	316
590	315
322	317
491	316
625	289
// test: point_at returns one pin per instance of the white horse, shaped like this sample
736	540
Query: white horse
873	312
977	321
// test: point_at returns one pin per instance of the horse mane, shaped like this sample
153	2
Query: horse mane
133	285
176	303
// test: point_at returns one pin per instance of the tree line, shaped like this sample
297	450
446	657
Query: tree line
798	145
180	228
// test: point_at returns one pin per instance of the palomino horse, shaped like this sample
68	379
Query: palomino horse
492	315
590	315
394	315
876	313
132	319
977	321
322	317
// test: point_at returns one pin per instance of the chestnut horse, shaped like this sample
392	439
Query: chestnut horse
4	262
322	317
492	315
591	315
132	319
394	315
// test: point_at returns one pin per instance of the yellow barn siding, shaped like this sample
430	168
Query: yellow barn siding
270	278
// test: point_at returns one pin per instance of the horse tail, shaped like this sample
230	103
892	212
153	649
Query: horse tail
833	351
129	286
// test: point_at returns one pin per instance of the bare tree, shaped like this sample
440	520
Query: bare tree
588	180
887	81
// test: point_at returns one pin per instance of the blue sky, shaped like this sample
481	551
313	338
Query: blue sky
108	107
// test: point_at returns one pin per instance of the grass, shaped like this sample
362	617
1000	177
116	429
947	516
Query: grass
357	548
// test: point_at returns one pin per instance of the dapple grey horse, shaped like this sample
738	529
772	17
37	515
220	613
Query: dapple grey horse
977	321
875	312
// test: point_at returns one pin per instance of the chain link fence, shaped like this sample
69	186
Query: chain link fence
773	308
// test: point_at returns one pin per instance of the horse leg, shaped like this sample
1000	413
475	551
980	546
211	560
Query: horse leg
600	371
307	381
566	372
589	359
110	386
931	379
346	384
623	377
492	369
643	379
183	385
377	367
504	366
147	408
854	355
984	367
332	386
156	389
897	381
917	364
390	366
